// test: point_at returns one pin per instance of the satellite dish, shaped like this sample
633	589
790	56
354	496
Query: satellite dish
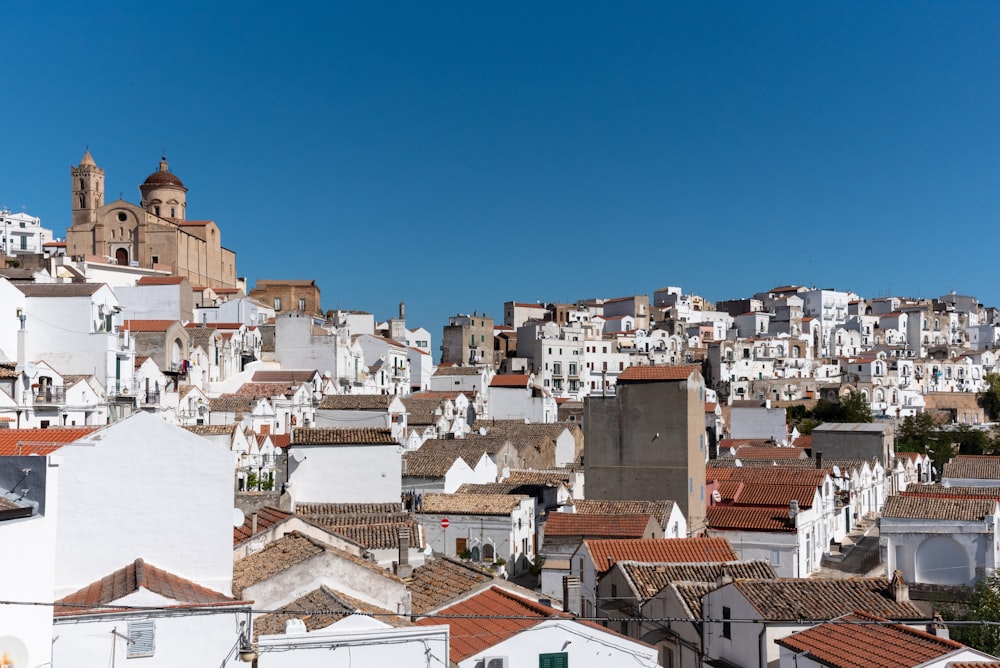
482	431
732	451
836	470
739	463
716	496
238	518
31	369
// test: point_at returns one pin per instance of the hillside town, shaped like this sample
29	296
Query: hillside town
196	470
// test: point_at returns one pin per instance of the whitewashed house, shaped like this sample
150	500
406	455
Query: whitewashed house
328	465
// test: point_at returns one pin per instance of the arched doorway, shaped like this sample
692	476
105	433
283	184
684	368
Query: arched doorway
121	256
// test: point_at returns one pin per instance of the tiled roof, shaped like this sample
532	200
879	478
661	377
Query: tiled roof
769	475
58	289
471	450
347	436
486	488
472	504
727	461
776	495
217	325
521	432
604	553
654	373
458	371
648	579
211	429
374	532
438	581
553	477
313	509
147	325
659	509
975	467
231	403
822	599
427	465
160	280
748	518
277	556
443	394
692	593
325	606
953	492
129	579
753	452
510	380
267	517
356	402
596	526
39	441
854	640
727	443
290	376
488	618
955	509
268	390
420	412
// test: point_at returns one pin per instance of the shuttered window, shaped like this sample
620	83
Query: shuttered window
553	660
142	638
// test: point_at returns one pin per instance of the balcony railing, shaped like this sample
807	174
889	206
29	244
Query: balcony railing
47	395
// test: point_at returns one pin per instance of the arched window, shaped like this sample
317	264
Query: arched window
488	552
121	256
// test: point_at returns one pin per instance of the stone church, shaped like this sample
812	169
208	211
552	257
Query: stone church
154	235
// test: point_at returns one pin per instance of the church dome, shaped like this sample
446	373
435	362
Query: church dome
163	177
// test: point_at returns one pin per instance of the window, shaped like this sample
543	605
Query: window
553	660
156	259
302	304
172	214
277	303
141	638
727	626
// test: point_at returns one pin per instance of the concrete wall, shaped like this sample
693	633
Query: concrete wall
648	442
345	473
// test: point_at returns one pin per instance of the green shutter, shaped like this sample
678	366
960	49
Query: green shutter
553	660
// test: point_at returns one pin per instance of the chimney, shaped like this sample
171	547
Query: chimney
571	594
724	577
402	311
900	590
793	509
819	460
403	568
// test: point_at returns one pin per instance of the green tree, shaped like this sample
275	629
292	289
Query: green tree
969	440
989	399
917	433
855	408
983	605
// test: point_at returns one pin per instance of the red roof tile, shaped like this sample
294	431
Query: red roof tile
492	617
596	526
147	325
653	373
752	518
130	579
605	553
161	280
510	380
39	441
266	518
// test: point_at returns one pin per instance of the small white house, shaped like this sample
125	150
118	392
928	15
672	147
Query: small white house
328	465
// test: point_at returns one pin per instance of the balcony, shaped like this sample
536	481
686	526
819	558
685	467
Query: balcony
46	395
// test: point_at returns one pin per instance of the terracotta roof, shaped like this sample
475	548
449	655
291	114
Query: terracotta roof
348	436
211	429
290	376
58	289
953	492
510	380
444	394
730	462
752	452
822	599
656	373
314	509
258	390
604	553
232	403
975	467
147	325
854	640
659	509
428	465
468	449
486	488
490	617
325	606
772	475
277	556
744	518
421	412
130	579
356	402
439	581
39	441
374	532
267	517
596	526
775	495
552	477
472	504
649	579
161	280
953	509
692	593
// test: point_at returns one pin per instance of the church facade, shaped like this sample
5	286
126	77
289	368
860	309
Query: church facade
155	234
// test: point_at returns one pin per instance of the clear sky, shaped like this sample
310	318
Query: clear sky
458	155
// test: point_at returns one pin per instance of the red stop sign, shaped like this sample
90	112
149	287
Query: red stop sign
444	522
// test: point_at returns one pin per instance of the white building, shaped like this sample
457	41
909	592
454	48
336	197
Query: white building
358	465
22	233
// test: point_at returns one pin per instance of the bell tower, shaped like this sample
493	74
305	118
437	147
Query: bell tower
88	190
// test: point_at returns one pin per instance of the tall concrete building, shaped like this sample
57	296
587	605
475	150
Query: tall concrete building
155	234
647	441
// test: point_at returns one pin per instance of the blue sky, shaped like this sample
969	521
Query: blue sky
458	155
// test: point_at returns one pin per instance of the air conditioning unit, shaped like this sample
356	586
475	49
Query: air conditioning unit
495	662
